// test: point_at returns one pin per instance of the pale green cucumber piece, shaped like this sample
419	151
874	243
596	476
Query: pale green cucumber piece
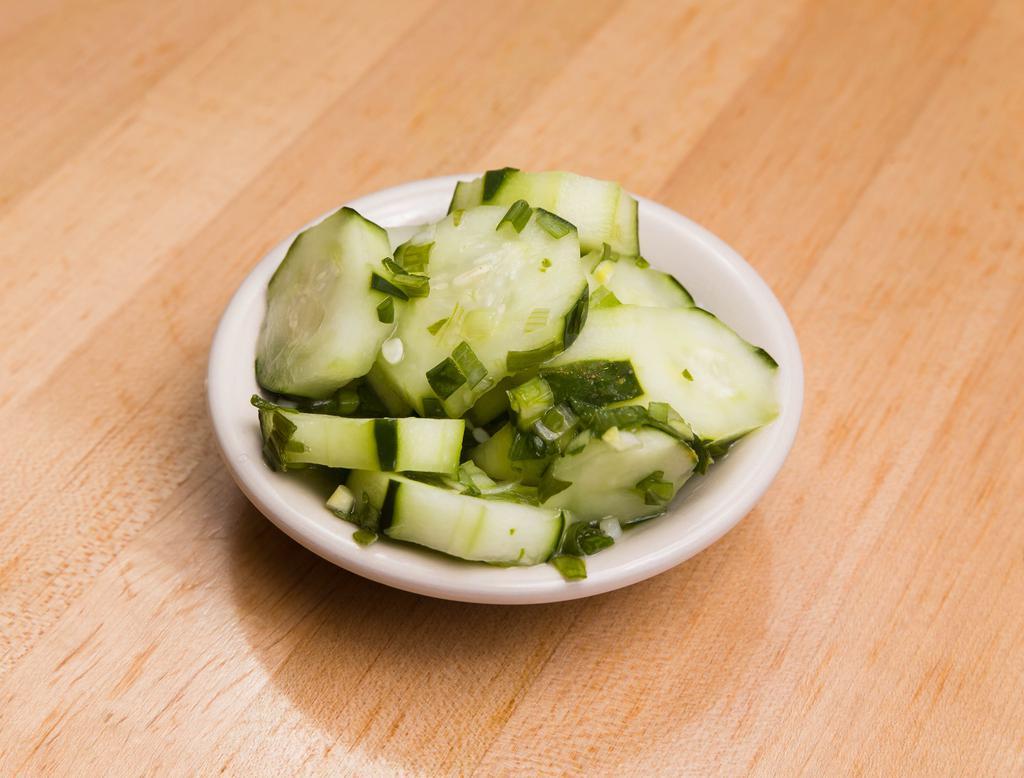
719	383
472	528
488	276
602	211
293	439
634	284
321	329
607	478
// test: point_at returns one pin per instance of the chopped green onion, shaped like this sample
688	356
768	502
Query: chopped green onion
537	319
572	568
413	285
517	215
414	257
445	377
364	537
432	408
687	375
545	264
641	262
457	217
607	253
554	225
529	400
585	538
469	364
434	328
520	360
386	310
655	489
381	284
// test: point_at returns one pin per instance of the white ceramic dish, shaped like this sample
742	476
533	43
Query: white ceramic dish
719	279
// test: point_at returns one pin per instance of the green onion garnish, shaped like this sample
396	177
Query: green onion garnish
380	284
435	328
469	364
537	319
445	377
687	376
554	225
572	568
517	215
386	310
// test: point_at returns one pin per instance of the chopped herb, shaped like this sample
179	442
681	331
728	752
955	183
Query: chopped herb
608	254
517	215
511	530
687	375
434	328
545	264
655	489
414	257
432	408
554	225
640	262
659	411
572	568
381	284
445	377
386	310
529	400
364	537
469	364
457	217
585	538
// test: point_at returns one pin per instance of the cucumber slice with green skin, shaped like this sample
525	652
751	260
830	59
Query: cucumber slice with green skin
473	528
722	385
492	456
634	284
322	329
392	400
293	439
607	478
504	294
601	210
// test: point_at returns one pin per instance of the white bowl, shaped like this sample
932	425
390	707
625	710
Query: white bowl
706	509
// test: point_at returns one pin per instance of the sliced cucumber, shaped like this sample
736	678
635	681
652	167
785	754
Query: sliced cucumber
505	294
322	328
632	282
628	475
601	210
474	528
293	439
392	400
493	457
722	385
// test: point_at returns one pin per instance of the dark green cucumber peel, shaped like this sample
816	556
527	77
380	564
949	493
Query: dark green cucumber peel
594	381
380	284
387	508
385	434
523	360
493	179
576	318
433	408
469	364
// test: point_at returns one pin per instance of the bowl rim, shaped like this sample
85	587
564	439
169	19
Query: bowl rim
255	483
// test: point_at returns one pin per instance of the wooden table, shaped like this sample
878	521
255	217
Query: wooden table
867	617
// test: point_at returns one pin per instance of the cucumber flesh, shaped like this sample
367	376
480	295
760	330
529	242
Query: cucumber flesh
498	298
492	456
634	284
602	211
293	439
719	383
321	329
607	478
473	528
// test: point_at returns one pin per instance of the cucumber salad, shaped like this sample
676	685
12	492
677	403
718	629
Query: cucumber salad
513	385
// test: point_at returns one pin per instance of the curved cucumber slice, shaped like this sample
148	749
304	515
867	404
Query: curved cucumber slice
601	210
634	284
473	528
293	439
492	456
505	294
722	385
322	329
628	475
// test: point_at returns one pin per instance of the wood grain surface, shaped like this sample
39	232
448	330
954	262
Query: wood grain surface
867	618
